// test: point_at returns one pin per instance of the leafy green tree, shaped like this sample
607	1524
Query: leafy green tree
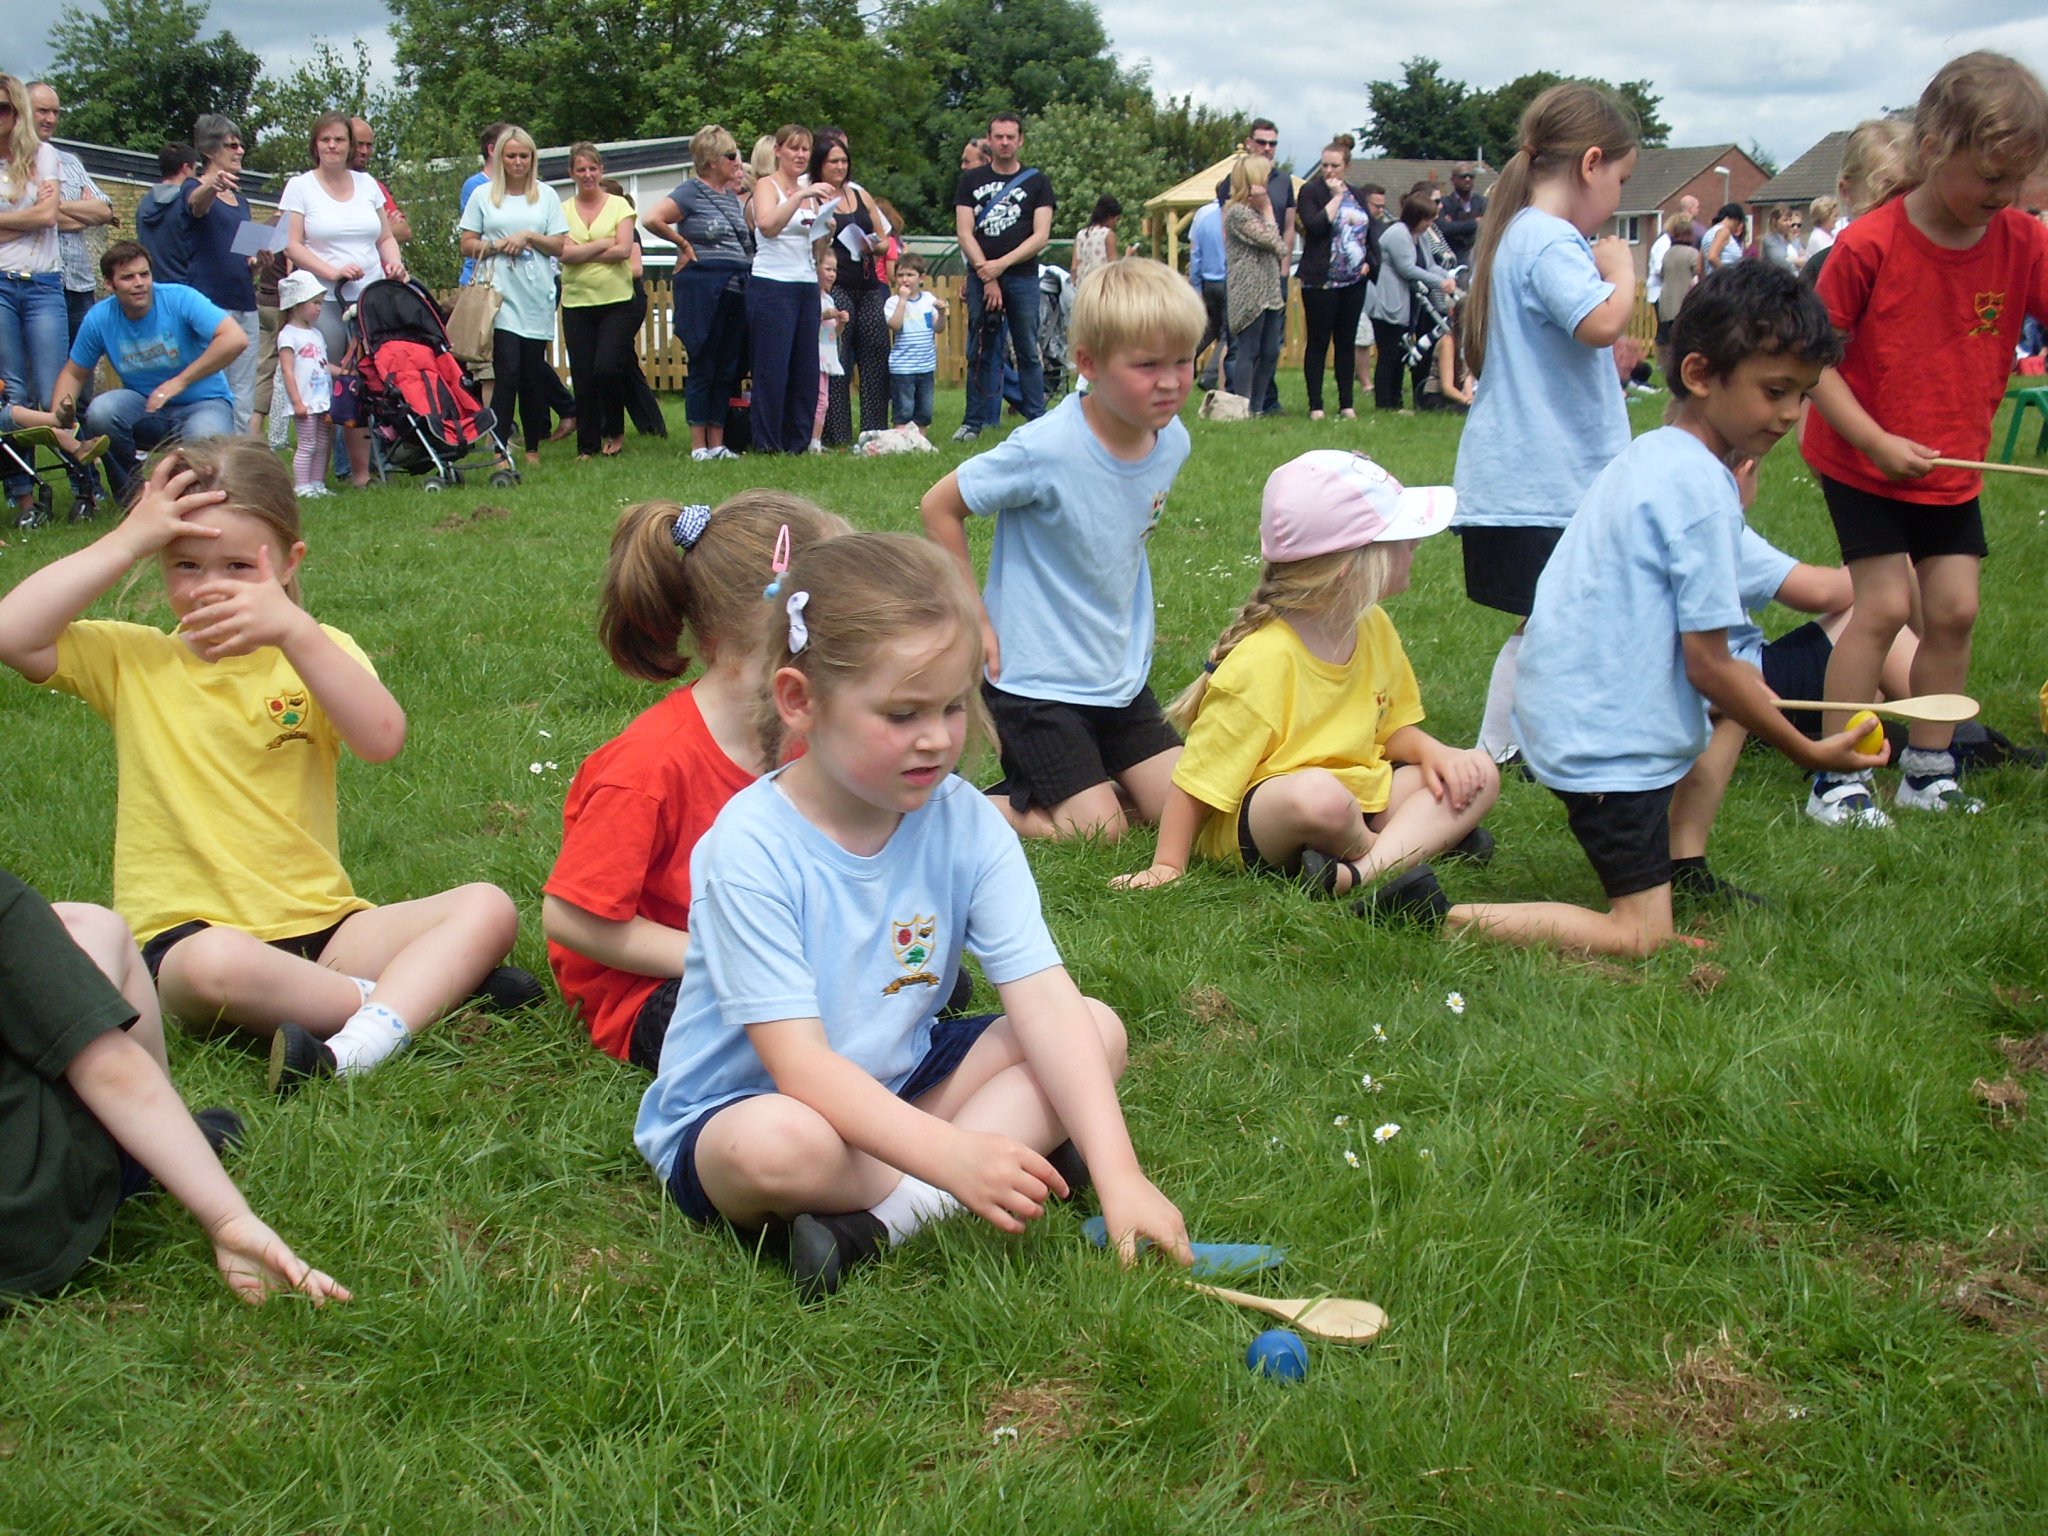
1191	138
1765	160
1496	115
134	74
281	112
1424	117
1089	150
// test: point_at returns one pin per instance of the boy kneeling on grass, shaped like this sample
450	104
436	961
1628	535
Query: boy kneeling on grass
1627	646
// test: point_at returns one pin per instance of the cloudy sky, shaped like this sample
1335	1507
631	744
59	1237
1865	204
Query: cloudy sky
1783	72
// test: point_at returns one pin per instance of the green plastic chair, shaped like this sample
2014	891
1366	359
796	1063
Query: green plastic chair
2025	400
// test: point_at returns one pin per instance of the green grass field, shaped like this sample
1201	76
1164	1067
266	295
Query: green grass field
1667	1247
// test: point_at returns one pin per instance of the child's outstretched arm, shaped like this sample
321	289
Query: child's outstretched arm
1896	457
1817	588
945	512
1450	774
1737	690
1178	823
34	614
1064	1052
128	1094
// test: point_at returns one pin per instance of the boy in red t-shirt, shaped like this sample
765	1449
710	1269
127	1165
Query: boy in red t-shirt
1931	290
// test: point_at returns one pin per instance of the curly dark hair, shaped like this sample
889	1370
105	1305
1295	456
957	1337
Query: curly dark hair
1751	307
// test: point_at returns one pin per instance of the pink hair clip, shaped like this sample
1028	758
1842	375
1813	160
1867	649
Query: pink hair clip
778	564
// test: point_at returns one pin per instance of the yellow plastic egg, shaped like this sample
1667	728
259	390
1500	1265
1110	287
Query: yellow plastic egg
1871	742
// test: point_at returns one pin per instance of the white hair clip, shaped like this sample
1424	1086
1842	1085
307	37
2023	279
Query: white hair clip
799	632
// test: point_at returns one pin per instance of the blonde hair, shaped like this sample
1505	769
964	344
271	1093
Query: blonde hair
583	149
1134	303
1557	129
863	591
22	145
655	590
1251	171
506	140
711	142
1822	211
1983	104
762	161
1346	582
1874	162
257	484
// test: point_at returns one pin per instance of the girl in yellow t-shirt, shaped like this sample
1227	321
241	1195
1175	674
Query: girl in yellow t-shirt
226	735
1305	753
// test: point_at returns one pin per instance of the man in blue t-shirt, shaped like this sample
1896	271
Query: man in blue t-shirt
169	344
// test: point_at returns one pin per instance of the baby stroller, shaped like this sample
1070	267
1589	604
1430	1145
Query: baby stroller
20	458
1430	318
1055	305
415	398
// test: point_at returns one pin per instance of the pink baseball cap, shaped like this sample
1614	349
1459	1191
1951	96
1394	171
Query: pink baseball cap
1328	500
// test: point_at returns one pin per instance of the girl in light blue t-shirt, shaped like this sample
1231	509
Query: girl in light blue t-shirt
1545	310
830	905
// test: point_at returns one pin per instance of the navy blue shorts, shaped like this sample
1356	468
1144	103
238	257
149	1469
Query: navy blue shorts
952	1039
307	946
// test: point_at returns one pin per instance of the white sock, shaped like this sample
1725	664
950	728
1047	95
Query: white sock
1497	726
372	1033
364	985
911	1206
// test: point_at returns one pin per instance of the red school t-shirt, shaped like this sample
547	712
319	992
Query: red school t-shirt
1931	335
635	809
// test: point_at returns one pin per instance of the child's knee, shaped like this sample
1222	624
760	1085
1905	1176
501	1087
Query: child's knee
1324	804
491	912
776	1148
208	973
1949	624
1116	1040
99	931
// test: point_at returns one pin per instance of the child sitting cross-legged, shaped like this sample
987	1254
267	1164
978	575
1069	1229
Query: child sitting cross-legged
1305	750
1627	646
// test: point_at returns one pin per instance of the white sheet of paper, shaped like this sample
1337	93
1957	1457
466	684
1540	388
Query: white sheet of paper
253	239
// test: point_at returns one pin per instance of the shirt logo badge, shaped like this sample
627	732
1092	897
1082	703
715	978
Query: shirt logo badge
911	941
289	711
1988	307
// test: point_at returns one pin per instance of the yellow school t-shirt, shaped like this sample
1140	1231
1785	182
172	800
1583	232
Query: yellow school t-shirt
226	803
596	282
1274	708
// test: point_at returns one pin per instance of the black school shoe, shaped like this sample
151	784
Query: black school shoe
824	1249
295	1058
222	1129
1415	897
508	988
1066	1157
1475	847
1696	882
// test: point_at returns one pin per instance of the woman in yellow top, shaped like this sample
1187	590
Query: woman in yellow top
598	313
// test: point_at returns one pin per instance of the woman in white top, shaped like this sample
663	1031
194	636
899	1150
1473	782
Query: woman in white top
782	296
32	325
515	222
336	229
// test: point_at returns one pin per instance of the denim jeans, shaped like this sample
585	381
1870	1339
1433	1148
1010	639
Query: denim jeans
34	341
1254	355
710	321
241	373
122	416
911	394
985	351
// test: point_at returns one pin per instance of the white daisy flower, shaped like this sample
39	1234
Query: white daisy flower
1341	1120
1379	1031
1351	1157
1455	1001
1370	1083
535	768
1386	1133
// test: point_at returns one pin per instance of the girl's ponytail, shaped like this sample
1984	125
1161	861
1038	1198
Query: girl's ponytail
1557	129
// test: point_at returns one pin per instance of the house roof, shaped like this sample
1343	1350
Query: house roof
1813	174
1661	173
139	167
622	157
1397	176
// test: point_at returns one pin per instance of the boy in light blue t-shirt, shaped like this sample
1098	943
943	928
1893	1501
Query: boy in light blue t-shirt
1627	645
1067	613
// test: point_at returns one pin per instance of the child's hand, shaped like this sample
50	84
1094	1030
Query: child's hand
166	507
1134	1210
300	412
1453	775
1146	879
233	618
1611	257
254	1261
1838	754
1745	482
1900	458
1001	1180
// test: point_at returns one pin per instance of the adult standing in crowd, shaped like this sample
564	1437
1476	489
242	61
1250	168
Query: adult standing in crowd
1460	213
643	408
1653	275
1823	221
973	154
706	221
1333	261
486	150
860	233
33	330
81	205
1262	141
215	212
1675	277
782	296
516	222
1255	255
1095	242
1393	298
1208	270
1723	247
1374	196
335	228
362	146
1781	240
1002	215
159	224
597	304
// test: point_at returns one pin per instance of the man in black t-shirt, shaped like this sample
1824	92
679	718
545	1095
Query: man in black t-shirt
1002	213
1462	210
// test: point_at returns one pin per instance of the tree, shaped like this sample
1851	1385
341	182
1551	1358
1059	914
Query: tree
1190	138
1497	114
1089	150
281	112
1425	117
134	74
1765	160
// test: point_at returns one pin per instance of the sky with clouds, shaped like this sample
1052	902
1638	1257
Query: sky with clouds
1783	72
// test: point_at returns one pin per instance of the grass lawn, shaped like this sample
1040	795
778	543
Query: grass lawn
1676	1246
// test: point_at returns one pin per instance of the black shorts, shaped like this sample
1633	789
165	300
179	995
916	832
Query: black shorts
952	1039
307	946
1051	751
1502	564
650	1025
1796	667
1626	835
1867	524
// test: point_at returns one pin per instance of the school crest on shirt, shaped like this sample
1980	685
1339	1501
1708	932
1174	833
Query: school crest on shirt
911	940
1158	512
1987	307
289	711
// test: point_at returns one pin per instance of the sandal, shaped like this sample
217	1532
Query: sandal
1318	875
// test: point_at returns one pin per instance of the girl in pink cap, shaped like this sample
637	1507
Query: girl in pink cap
1305	751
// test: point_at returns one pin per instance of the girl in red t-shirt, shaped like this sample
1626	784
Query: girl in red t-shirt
1931	290
617	904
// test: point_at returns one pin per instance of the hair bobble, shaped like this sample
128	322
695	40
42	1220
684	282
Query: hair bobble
689	525
799	632
778	564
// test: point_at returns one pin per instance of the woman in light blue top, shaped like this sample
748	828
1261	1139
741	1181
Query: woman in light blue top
516	224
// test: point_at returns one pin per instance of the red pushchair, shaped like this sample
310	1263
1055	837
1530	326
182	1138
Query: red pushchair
418	403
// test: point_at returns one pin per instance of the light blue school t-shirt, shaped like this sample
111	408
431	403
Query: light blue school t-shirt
1761	568
526	282
1069	588
1548	414
178	327
786	924
1602	702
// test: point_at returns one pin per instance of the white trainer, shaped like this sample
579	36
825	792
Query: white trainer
1845	803
1943	794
